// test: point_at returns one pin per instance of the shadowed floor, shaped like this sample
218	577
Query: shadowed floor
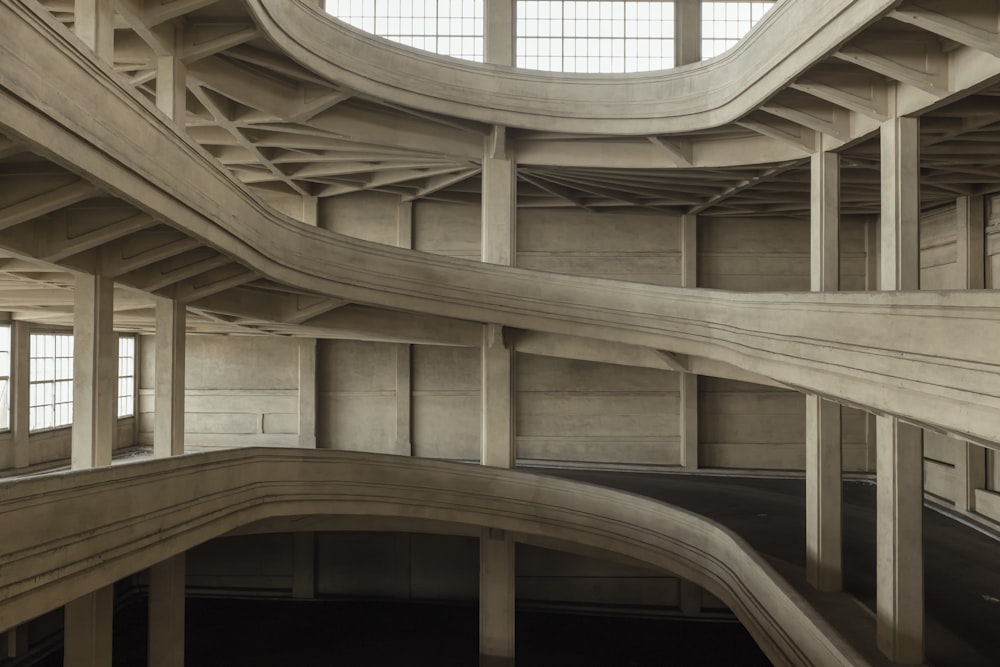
961	573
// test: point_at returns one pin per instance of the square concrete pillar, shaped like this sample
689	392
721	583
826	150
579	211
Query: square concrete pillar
166	612
20	392
168	383
496	598
94	23
496	574
171	79
689	381
498	247
899	464
899	549
823	435
304	565
87	629
970	461
95	372
499	34
687	32
824	523
307	393
404	367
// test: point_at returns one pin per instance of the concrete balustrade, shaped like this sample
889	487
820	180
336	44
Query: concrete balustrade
913	355
141	514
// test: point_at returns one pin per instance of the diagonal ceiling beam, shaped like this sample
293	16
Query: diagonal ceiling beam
46	202
964	21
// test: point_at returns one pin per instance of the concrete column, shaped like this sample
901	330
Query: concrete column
970	462
823	437
168	381
87	629
20	392
307	393
310	210
95	372
690	594
687	32
498	247
14	642
171	82
496	574
823	494
499	32
899	466
496	598
404	420
166	612
498	437
499	199
94	23
872	271
899	238
689	381
900	553
824	217
304	565
404	369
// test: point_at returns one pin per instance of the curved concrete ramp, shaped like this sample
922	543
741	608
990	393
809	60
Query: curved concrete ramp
70	533
916	355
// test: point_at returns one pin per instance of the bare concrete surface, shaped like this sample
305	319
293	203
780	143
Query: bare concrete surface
961	577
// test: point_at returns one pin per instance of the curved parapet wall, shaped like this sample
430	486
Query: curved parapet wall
68	534
695	97
920	355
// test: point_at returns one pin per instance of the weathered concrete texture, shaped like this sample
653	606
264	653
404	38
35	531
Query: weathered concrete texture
239	391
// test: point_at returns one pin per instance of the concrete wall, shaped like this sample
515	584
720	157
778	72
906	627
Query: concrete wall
53	447
566	410
446	402
993	282
356	395
418	566
444	228
582	411
939	269
633	245
365	215
240	392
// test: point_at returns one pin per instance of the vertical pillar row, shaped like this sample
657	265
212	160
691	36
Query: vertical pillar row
95	361
496	572
689	381
404	351
824	463
500	25
166	612
970	461
171	80
20	392
94	23
168	381
899	465
687	24
307	392
87	629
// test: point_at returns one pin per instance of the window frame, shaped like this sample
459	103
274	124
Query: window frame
34	361
5	394
132	376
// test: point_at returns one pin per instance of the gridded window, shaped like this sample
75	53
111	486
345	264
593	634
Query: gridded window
595	36
4	378
126	376
449	27
51	381
725	23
